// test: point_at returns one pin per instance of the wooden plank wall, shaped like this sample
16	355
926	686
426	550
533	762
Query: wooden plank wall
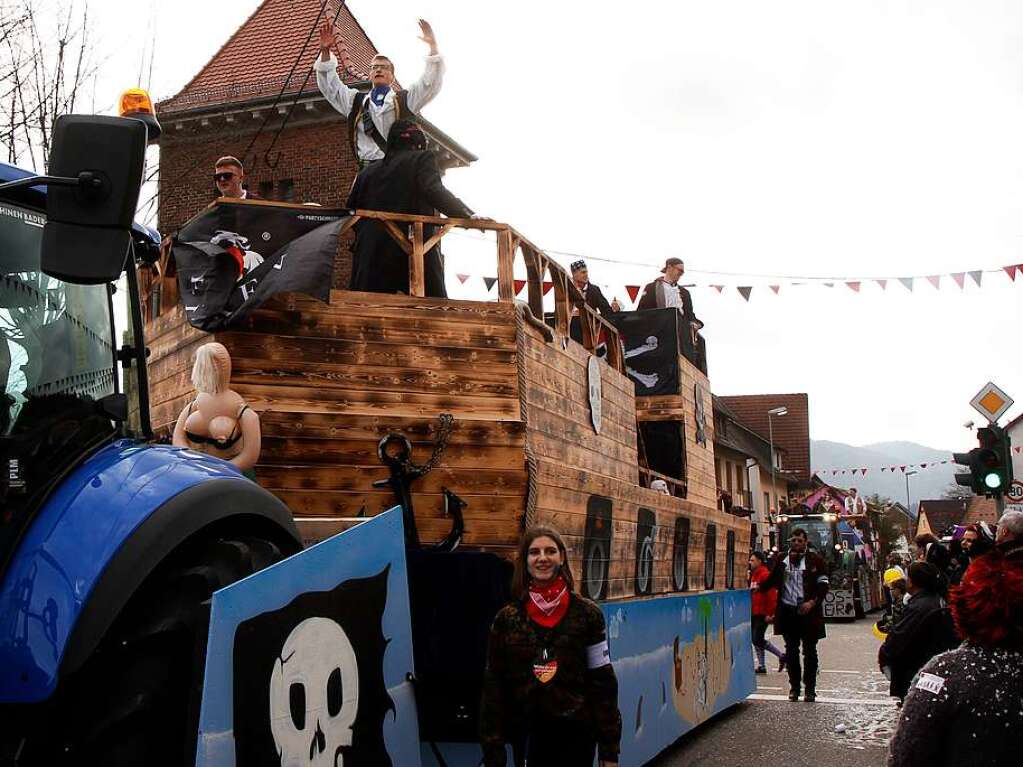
573	463
329	381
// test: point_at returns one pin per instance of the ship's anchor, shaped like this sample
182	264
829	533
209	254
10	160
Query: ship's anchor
395	451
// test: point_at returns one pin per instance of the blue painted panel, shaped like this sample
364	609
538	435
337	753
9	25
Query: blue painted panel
679	660
69	544
289	627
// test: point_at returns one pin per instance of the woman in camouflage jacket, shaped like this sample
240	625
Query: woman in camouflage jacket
550	690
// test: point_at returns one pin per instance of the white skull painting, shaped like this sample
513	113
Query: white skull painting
314	695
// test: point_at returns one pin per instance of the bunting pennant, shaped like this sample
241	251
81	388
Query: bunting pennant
1017	448
903	468
775	288
547	287
828	284
462	278
633	291
853	286
1011	271
960	278
935	280
864	472
882	283
519	285
907	283
489	282
977	275
923	466
718	288
745	290
883	470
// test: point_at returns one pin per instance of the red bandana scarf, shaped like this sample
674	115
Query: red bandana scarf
547	605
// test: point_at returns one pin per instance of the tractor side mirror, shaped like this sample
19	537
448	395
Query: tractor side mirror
99	161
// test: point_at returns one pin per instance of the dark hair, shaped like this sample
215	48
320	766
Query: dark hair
520	578
924	538
988	605
759	555
405	134
924	576
800	532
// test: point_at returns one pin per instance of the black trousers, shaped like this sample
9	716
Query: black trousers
807	670
557	743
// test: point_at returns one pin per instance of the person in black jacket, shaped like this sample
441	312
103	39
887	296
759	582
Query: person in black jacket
592	294
965	707
549	689
407	180
665	292
801	577
922	631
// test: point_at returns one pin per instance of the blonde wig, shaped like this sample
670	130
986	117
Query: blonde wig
211	373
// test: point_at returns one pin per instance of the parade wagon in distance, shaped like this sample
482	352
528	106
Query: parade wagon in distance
481	418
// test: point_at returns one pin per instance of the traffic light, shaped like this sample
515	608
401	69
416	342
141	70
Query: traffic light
990	464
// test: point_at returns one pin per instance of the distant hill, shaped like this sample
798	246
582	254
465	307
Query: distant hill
925	484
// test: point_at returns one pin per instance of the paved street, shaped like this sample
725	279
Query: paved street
849	725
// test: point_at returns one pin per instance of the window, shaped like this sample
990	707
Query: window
767	503
710	556
266	189
286	190
738	477
680	555
717	472
730	559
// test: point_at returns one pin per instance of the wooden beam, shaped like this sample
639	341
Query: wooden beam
505	263
416	267
400	237
461	223
437	237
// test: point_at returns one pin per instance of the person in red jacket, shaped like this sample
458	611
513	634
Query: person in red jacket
764	605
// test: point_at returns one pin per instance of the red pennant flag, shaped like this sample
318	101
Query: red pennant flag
489	282
462	278
718	288
960	278
1017	448
853	286
1011	271
547	287
745	290
882	283
935	280
633	291
519	285
775	288
864	472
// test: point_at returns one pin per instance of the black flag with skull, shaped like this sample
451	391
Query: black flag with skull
309	680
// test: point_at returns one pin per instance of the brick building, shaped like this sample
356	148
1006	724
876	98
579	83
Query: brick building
255	84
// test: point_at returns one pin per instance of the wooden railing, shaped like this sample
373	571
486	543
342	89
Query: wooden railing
409	232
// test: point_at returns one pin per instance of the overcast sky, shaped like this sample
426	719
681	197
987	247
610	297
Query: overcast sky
831	139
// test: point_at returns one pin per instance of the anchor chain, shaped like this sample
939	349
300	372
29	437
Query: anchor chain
446	425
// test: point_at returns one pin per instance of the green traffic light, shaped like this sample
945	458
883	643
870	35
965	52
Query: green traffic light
992	480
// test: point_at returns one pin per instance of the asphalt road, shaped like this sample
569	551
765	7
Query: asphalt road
849	725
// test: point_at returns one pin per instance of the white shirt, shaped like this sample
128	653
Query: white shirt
855	505
792	591
669	295
341	97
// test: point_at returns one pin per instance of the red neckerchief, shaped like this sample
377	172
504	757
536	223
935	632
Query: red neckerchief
547	605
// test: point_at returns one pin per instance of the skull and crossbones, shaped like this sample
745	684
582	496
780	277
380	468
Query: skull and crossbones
649	380
314	695
228	240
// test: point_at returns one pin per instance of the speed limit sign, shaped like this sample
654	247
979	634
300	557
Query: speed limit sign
1014	493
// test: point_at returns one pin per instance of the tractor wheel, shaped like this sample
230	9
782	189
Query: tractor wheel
136	699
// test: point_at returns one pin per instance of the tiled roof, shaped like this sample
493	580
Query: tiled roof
941	513
791	432
256	60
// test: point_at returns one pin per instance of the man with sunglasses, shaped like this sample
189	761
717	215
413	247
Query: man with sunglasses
228	175
371	115
801	577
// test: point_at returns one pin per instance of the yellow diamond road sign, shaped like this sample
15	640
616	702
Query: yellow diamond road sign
991	402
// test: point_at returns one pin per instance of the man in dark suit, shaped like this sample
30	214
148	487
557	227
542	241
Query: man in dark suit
665	292
592	294
801	577
407	180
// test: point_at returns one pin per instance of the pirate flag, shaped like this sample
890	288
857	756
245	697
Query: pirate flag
236	254
309	680
651	340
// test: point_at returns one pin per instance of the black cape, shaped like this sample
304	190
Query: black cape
403	182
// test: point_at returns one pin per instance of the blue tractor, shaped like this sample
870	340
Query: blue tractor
110	545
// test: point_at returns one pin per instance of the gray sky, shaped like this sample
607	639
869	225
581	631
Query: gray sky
868	139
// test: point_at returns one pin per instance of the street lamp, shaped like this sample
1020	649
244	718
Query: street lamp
908	475
776	411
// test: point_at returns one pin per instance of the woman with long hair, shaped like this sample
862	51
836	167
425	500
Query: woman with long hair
764	605
549	690
965	707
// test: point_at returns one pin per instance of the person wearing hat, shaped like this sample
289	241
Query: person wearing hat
665	292
592	295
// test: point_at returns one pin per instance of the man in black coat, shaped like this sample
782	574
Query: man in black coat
923	630
665	292
801	577
592	294
407	180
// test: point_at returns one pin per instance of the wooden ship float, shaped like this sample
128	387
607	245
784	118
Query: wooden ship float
544	431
